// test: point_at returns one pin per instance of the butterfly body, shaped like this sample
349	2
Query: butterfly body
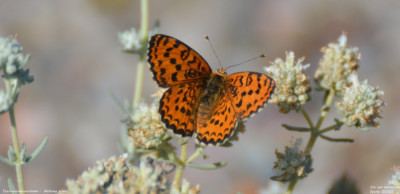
199	101
209	97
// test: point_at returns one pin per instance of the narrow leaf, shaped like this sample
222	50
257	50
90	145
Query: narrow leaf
22	153
208	166
292	128
11	186
38	150
118	103
6	160
11	154
348	140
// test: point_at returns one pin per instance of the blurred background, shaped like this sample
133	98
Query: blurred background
76	58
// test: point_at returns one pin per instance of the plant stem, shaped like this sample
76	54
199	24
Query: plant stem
171	155
337	139
137	95
326	107
332	127
291	187
315	131
18	162
144	31
324	112
144	22
179	171
197	153
303	111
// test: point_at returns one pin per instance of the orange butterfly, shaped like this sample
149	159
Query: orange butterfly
198	100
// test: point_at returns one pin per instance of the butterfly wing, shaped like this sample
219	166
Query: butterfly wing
172	62
220	127
249	92
245	94
177	107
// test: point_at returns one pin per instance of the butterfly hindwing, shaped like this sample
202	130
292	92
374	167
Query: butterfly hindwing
221	124
172	62
177	108
249	92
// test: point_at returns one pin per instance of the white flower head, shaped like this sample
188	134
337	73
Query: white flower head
338	62
361	104
395	180
132	39
186	188
292	85
146	128
119	175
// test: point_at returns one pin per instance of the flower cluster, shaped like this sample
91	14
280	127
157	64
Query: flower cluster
395	180
338	62
12	62
146	128
361	104
292	85
293	164
117	175
132	41
185	189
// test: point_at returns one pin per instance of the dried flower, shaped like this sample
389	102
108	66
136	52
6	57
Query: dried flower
344	185
185	189
117	175
361	104
293	164
395	180
146	128
338	62
5	101
12	61
292	85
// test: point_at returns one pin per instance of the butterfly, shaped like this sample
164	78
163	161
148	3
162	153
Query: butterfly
199	101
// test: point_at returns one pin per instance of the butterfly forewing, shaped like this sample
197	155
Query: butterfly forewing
249	92
173	62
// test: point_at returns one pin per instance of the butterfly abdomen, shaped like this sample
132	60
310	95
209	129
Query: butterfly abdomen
212	91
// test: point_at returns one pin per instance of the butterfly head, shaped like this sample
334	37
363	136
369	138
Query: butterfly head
221	71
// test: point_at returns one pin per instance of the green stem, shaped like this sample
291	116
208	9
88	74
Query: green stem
144	22
196	154
348	140
315	131
139	83
144	31
207	166
307	118
291	187
18	163
179	171
332	127
324	112
171	155
325	108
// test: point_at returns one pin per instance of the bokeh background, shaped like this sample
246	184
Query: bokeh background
76	58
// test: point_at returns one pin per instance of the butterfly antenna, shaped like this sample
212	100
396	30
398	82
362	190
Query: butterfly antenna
215	53
261	56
